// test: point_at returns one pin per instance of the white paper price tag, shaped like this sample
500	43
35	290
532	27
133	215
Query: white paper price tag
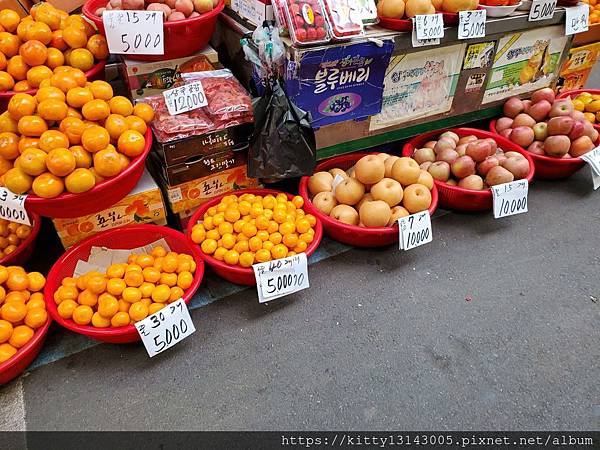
542	10
12	207
471	24
576	20
134	32
422	43
185	98
593	159
415	230
429	26
165	328
281	277
510	198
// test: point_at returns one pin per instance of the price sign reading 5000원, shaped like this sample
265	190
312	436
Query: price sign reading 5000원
429	26
134	32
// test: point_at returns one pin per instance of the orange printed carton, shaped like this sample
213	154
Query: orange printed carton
188	196
144	204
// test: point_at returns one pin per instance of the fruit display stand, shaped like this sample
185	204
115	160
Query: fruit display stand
416	88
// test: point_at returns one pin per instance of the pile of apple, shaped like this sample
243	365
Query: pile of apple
546	126
470	162
375	192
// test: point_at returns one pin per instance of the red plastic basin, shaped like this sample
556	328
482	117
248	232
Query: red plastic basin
575	92
23	252
128	237
549	168
182	38
461	199
238	274
101	196
25	355
353	234
95	73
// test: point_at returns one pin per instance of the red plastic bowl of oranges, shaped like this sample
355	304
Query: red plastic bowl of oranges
17	241
248	234
62	284
24	321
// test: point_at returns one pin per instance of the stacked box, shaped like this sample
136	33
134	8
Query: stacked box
144	204
146	78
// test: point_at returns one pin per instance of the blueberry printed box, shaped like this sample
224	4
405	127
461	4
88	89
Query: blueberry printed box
339	83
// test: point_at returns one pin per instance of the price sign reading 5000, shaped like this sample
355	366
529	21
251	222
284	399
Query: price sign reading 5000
429	26
134	32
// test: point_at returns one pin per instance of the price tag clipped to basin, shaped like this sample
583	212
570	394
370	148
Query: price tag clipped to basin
593	159
165	328
429	26
281	277
471	24
541	10
134	32
576	19
510	198
185	98
415	230
12	207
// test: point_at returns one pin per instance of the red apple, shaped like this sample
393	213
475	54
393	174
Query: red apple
537	148
444	144
543	94
461	149
493	146
498	175
513	107
523	120
424	154
430	144
581	146
463	167
522	136
557	145
519	167
506	133
474	182
484	167
478	150
439	170
562	107
560	125
447	155
466	139
576	131
503	123
539	111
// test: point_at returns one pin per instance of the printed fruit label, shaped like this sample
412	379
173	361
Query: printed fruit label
308	14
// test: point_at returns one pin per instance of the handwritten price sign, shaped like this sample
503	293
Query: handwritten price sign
471	24
185	98
429	26
577	18
134	32
593	159
281	277
415	230
510	198
12	207
165	328
424	42
541	10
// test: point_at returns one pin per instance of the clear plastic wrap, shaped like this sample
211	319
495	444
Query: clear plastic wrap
306	21
344	18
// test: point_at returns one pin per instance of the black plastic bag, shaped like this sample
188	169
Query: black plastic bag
283	144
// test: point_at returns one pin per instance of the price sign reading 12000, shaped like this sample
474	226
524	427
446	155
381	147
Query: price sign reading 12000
134	32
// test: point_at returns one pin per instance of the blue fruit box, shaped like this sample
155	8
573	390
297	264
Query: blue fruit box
339	83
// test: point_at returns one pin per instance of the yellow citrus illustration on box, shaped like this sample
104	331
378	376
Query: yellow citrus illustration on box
144	207
193	193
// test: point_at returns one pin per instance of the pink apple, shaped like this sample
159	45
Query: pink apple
537	148
512	107
562	107
543	94
461	149
424	154
560	125
478	150
578	115
474	182
444	144
581	146
539	111
590	131
526	105
519	167
557	145
503	123
523	120
440	170
577	130
463	167
425	165
522	136
506	133
447	155
484	167
493	146
498	175
430	144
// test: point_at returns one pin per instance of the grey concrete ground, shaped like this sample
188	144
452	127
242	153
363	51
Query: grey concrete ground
382	340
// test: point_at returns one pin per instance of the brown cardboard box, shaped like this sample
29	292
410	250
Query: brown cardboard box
65	5
22	7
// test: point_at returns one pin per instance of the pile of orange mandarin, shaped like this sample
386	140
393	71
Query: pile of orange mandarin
252	229
69	136
32	47
128	292
23	308
12	234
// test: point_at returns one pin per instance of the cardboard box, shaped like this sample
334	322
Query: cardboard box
22	7
578	66
254	11
146	78
65	5
144	204
185	150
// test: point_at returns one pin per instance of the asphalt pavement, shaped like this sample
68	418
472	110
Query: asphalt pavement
493	325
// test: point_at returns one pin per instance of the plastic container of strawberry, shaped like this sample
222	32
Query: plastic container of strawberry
306	21
280	18
345	20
